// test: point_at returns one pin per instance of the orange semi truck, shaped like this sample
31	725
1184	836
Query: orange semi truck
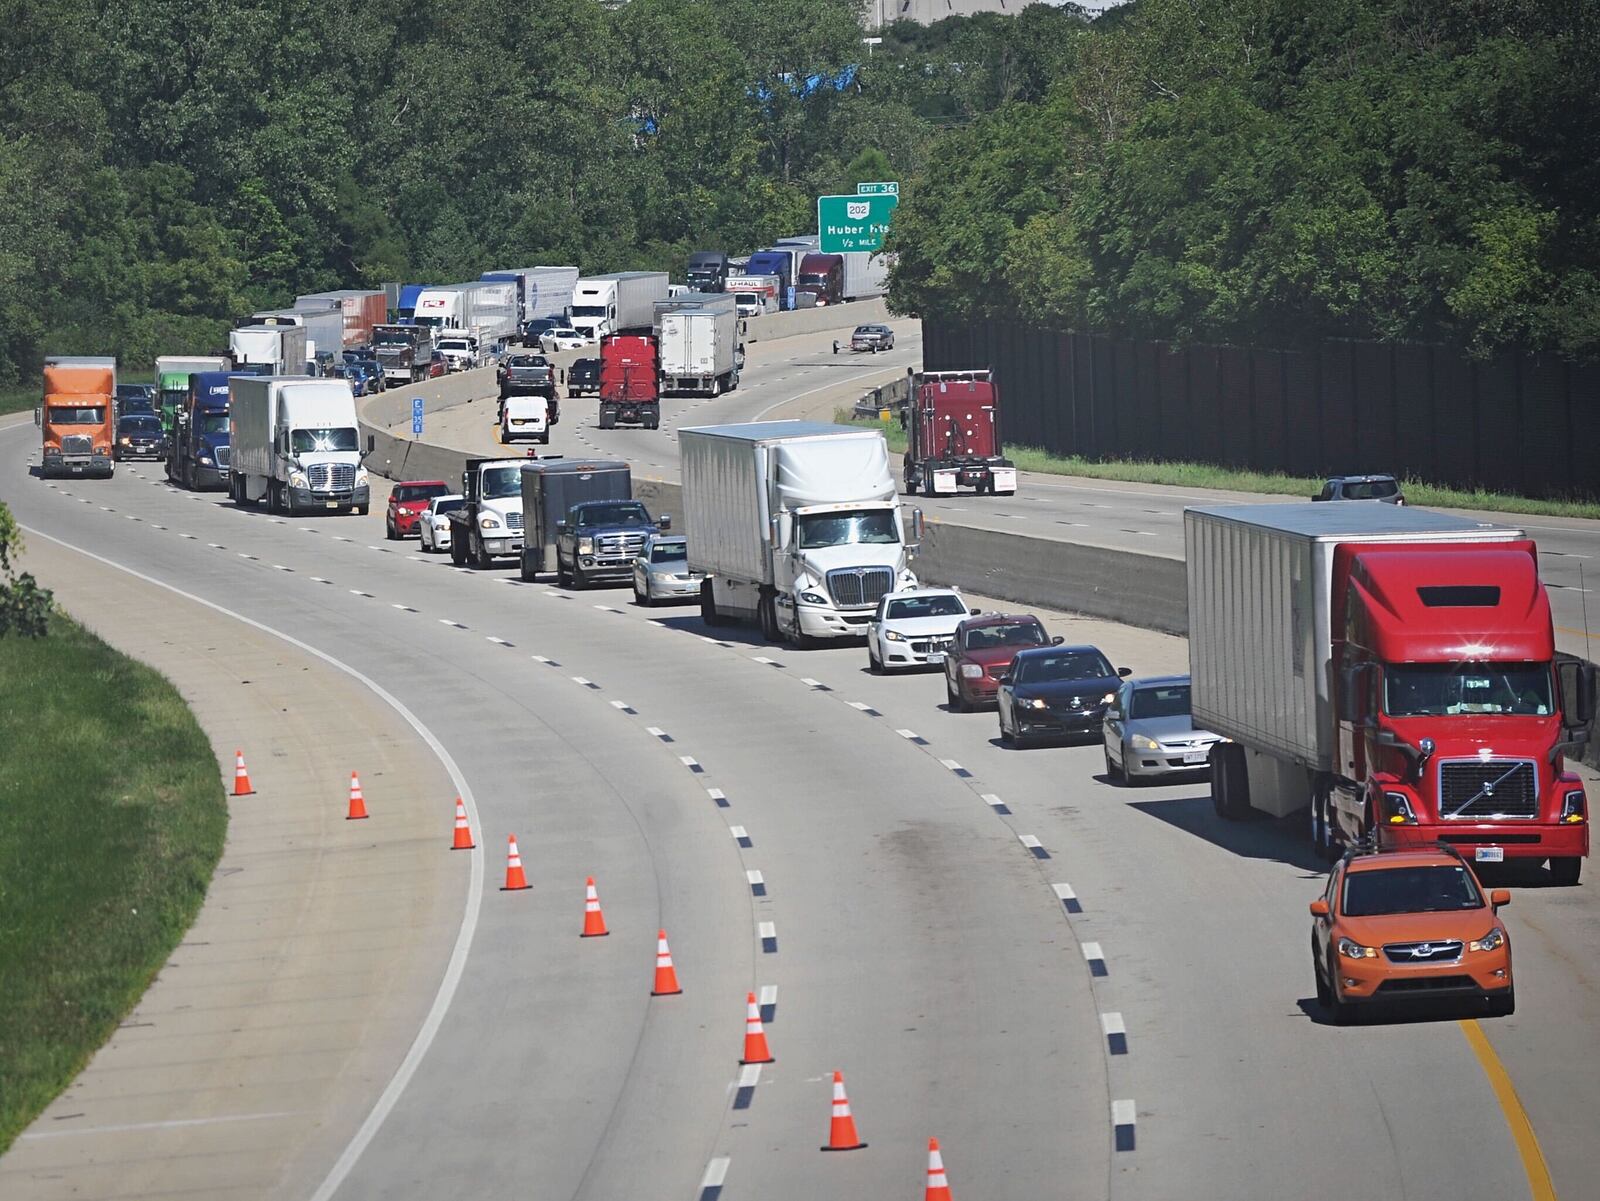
78	416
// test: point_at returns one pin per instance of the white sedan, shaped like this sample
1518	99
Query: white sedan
553	340
433	527
914	628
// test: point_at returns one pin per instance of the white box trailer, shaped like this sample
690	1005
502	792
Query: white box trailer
697	337
363	308
541	291
796	523
280	348
865	275
295	441
323	322
487	309
622	300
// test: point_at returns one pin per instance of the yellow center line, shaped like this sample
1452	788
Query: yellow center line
1539	1183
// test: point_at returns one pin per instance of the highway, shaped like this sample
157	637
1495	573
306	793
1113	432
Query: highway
801	377
962	929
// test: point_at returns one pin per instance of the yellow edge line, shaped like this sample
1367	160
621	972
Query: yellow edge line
1539	1183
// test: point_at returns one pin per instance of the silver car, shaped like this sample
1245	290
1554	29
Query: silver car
1149	731
661	572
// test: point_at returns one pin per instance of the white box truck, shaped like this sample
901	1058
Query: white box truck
295	442
609	304
697	341
281	349
323	322
754	295
796	524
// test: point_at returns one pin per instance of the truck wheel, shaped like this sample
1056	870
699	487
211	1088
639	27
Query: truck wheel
528	573
457	553
579	580
1230	785
363	510
708	605
607	420
1565	871
768	613
480	554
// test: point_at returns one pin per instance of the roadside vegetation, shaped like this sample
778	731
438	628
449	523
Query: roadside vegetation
18	399
112	818
1206	475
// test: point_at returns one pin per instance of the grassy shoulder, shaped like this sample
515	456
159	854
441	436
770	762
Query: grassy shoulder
1204	475
112	818
18	400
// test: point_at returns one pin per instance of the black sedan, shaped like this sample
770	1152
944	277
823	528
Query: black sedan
139	436
1056	692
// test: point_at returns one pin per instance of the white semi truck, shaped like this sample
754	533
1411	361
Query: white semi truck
486	309
609	304
295	442
281	349
697	344
796	525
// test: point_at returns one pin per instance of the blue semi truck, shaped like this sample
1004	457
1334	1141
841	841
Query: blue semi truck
197	450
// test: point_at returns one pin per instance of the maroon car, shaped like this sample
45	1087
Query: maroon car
407	503
982	650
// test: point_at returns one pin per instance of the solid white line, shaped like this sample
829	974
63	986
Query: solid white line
750	1075
1123	1113
171	1124
469	916
1091	950
716	1172
1029	841
1111	1023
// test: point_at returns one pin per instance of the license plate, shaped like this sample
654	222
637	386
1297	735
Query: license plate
333	504
1195	756
936	657
1489	854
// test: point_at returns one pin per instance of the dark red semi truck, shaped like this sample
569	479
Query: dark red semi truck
953	436
630	381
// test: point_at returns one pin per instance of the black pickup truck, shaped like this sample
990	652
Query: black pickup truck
529	375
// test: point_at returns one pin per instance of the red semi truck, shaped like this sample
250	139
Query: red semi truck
629	372
953	435
1394	671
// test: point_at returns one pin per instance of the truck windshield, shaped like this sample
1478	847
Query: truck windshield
77	414
213	423
1410	890
588	310
847	528
391	338
501	482
627	512
312	441
1434	689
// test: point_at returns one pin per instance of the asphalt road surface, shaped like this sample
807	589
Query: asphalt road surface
958	927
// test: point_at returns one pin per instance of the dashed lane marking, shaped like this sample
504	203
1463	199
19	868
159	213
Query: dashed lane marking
717	795
402	608
281	567
758	883
1116	1033
1068	898
995	803
769	1002
816	684
358	592
585	683
691	763
498	641
768	932
863	707
624	707
952	766
741	836
711	1182
445	621
745	1093
1034	846
913	737
1124	1114
658	732
1096	958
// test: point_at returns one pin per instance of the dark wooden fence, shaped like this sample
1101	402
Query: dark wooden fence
1516	423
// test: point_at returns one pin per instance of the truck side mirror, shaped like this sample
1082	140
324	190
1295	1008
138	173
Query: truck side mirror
918	525
664	522
38	416
372	442
1352	684
1577	682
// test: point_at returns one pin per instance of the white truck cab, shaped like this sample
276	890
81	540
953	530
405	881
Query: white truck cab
461	350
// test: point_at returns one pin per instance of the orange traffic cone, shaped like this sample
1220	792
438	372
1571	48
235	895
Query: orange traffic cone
938	1184
666	974
358	805
241	778
755	1038
842	1130
516	880
463	840
594	922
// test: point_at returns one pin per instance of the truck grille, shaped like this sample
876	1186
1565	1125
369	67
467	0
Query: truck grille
77	444
1423	952
612	545
1472	789
514	519
853	587
331	477
224	456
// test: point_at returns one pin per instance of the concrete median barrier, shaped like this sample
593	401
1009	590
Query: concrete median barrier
772	326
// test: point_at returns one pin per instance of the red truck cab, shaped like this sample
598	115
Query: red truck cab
1453	713
953	436
77	419
629	381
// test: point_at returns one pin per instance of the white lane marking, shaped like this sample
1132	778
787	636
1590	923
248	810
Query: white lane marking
158	526
404	608
497	641
305	529
768	933
994	802
810	683
658	732
170	1124
607	609
755	879
281	567
1029	841
769	997
243	555
316	579
1064	893
717	795
451	979
131	517
279	521
690	762
716	1172
739	833
189	536
1112	1023
750	1075
340	538
582	681
622	705
358	592
541	659
863	707
1124	1113
909	734
216	546
445	621
767	661
1092	952
950	765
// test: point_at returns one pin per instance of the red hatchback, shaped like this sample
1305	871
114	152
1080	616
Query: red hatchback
980	653
407	503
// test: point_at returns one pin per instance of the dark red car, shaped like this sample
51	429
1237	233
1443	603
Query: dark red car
408	502
982	650
438	365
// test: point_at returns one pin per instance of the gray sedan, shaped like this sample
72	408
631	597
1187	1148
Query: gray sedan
1150	732
661	572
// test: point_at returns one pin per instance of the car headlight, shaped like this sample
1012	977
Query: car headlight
1034	702
489	521
297	479
1574	809
813	598
972	671
1351	949
894	636
586	546
1397	810
1141	742
127	441
1491	941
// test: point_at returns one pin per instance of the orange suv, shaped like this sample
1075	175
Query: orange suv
1409	925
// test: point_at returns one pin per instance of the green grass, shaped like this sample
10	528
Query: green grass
18	400
1205	475
112	817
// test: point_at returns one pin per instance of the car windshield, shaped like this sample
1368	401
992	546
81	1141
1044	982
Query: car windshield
669	552
1370	489
912	607
1062	665
310	441
136	404
865	331
618	512
1017	633
1433	689
500	482
448	506
139	425
847	528
213	423
1166	700
420	491
1430	889
77	414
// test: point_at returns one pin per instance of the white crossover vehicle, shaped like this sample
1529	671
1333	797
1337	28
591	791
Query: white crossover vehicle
914	628
433	527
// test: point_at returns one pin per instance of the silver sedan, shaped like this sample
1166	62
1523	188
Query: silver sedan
1150	732
661	572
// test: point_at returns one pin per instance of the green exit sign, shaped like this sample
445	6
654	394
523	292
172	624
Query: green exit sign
878	189
852	223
